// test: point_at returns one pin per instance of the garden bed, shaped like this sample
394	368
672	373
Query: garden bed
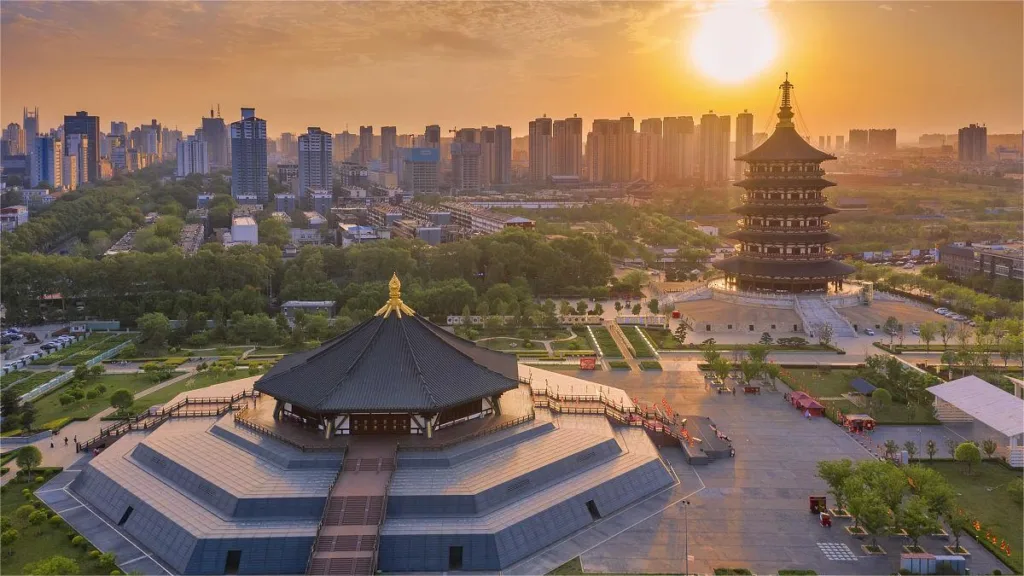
49	407
35	380
618	365
650	365
606	342
640	347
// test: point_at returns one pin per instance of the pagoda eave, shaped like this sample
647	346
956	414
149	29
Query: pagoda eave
826	269
783	210
784	183
785	237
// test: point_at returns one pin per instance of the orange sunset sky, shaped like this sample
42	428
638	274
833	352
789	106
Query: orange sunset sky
925	66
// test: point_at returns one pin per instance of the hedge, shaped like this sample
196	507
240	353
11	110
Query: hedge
650	365
618	365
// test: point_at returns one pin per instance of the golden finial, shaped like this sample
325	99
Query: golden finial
395	300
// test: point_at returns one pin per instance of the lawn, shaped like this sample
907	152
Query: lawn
72	350
34	379
510	344
49	407
201	380
636	340
606	343
38	542
984	497
836	382
618	365
12	377
574	566
578	342
650	365
662	338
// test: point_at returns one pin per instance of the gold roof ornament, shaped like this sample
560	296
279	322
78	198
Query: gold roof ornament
395	303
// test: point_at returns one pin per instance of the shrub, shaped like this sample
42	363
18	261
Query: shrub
78	540
1016	490
91	394
94	554
24	511
107	561
101	388
38	479
56	521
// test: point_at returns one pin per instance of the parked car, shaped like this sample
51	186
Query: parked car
869	332
916	331
941	310
48	346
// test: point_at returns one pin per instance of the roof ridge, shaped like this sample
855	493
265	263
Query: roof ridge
359	357
416	362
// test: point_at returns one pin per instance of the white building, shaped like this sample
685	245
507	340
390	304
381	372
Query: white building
12	217
192	157
244	231
70	172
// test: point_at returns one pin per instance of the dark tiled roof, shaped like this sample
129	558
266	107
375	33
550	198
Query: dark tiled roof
784	184
863	386
827	269
785	144
788	236
784	210
390	363
956	251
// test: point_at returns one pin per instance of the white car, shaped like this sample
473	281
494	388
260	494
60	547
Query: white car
869	332
941	310
916	331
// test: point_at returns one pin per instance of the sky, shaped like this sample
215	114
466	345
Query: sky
921	67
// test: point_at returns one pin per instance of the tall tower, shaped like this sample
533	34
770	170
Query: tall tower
388	147
783	234
315	159
365	144
501	172
710	154
744	139
30	124
249	157
89	126
540	149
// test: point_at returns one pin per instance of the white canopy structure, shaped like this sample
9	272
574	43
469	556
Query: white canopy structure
988	404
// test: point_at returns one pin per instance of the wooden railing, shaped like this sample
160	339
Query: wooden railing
323	515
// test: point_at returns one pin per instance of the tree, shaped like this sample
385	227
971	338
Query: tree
911	449
53	566
581	307
949	359
750	370
890	326
915	519
989	446
872	513
891	448
680	332
9	403
28	415
721	368
881	398
709	352
155	328
758	353
7	539
958	523
652	305
36	519
28	458
968	453
931	448
274	232
566	309
772	372
1009	347
825	334
945	331
598	309
927	334
835	473
766	339
951	447
618	307
122	399
636	309
901	333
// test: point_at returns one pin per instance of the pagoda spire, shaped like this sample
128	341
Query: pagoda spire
786	110
395	303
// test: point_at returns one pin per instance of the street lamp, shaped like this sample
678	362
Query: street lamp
686	536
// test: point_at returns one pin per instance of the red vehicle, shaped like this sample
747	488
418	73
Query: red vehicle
676	314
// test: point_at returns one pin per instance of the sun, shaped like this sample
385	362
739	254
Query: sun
734	41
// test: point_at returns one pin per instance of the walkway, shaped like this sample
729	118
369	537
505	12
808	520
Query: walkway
620	340
63	456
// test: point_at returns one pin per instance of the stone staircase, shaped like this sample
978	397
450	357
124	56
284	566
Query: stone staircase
816	312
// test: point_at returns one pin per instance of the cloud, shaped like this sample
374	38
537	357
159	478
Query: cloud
885	7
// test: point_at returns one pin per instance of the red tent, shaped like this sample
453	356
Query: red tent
808	404
797	396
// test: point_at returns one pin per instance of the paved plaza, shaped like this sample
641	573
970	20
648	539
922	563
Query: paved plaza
750	511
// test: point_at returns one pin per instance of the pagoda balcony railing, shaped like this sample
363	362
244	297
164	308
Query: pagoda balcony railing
823	227
754	199
766	257
768	175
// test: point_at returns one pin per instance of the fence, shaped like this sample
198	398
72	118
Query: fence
59	381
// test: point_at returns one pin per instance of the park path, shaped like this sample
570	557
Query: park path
64	456
620	340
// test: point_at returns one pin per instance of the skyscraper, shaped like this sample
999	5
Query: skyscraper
626	158
840	144
315	159
46	161
744	139
859	141
118	151
603	151
215	134
30	124
828	142
15	138
567	146
649	144
82	123
487	159
466	160
289	145
152	140
973	143
713	155
118	128
882	140
77	146
501	172
725	131
388	147
432	136
678	149
249	157
365	144
193	157
540	149
345	144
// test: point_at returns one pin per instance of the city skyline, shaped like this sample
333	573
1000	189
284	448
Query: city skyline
558	59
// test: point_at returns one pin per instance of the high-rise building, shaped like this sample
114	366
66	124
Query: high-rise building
118	128
858	141
540	149
603	151
725	131
714	148
215	134
882	141
567	146
744	139
288	176
289	146
47	161
650	141
76	146
419	170
82	123
345	144
828	142
193	157
152	140
118	151
30	124
821	142
432	136
840	144
466	153
677	148
972	143
501	172
388	147
15	138
626	154
69	171
487	159
249	157
365	144
315	161
169	142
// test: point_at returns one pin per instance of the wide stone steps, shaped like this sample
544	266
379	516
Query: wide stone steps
354	511
344	566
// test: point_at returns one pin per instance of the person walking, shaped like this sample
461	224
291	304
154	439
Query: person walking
65	441
51	443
